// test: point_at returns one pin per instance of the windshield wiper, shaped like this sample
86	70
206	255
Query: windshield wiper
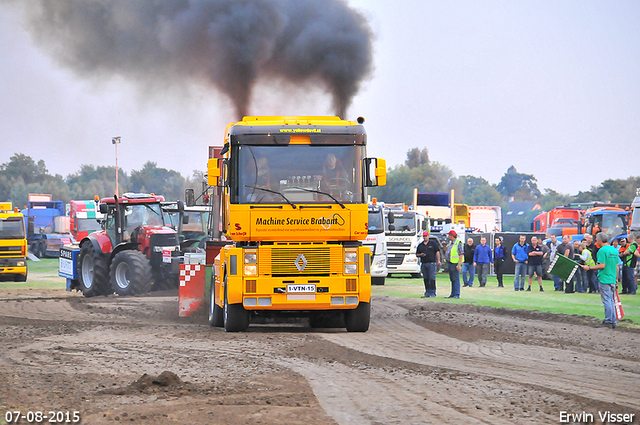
272	191
322	193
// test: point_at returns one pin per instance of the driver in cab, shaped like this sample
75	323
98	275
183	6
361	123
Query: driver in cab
334	176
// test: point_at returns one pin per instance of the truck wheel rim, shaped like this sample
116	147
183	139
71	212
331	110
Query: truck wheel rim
122	275
87	272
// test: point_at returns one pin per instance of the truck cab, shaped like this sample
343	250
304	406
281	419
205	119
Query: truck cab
403	238
84	218
634	225
13	244
377	243
294	213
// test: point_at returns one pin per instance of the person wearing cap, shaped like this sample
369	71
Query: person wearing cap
453	257
429	254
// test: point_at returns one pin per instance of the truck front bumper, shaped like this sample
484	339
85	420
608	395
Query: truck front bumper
13	266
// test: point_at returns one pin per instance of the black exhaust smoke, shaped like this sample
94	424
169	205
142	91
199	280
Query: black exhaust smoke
225	43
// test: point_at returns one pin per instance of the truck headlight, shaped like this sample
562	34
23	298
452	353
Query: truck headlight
20	264
350	268
250	258
350	257
250	269
379	264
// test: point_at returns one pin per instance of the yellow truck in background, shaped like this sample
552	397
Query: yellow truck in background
294	211
13	244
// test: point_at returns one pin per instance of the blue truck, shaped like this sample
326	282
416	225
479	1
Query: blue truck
47	226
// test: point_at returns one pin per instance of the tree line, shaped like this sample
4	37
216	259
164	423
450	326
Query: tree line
21	175
431	176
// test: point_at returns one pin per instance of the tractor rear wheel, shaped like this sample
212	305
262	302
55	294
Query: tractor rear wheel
215	311
235	317
357	320
94	278
130	273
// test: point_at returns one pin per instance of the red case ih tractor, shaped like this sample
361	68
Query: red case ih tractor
133	250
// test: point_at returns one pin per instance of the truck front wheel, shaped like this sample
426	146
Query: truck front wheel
94	278
377	280
235	317
130	273
215	311
357	320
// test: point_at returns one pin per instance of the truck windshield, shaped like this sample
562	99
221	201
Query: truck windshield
12	228
376	224
405	224
297	173
88	225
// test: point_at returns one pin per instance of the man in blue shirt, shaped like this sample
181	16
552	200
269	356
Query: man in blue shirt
481	259
498	260
520	257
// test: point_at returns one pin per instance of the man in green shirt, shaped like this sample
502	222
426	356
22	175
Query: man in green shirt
607	262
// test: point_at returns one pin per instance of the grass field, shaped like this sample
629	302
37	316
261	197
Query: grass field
44	275
548	301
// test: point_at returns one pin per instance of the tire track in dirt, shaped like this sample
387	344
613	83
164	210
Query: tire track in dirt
394	336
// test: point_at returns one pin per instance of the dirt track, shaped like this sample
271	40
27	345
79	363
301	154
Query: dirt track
421	362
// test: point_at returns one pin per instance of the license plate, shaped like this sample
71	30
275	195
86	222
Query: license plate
299	289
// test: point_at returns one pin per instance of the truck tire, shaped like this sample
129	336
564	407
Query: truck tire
216	318
357	320
94	277
235	317
40	250
20	278
130	273
377	280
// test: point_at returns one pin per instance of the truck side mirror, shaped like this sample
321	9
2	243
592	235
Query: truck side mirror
104	208
216	172
375	172
185	219
392	227
391	217
424	225
189	197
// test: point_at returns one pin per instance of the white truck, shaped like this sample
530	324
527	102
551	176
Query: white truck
404	234
485	219
634	223
377	243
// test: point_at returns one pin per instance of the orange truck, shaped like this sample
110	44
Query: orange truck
294	212
559	221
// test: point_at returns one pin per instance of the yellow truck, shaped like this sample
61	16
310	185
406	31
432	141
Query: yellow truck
294	212
13	244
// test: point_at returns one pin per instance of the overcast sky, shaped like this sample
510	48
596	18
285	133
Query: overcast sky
552	88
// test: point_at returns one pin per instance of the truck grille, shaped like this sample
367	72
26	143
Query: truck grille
10	251
300	260
395	261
